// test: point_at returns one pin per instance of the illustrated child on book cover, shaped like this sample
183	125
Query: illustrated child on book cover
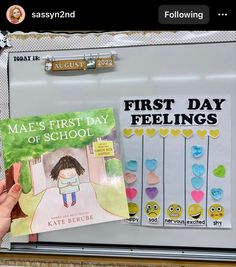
74	161
67	172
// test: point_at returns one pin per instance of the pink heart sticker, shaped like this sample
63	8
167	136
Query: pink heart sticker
130	177
131	193
152	178
197	195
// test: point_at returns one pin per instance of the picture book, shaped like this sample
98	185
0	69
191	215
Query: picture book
69	167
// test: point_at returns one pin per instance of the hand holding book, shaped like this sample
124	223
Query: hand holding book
8	201
74	176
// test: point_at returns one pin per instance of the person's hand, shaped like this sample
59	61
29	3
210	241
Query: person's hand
7	203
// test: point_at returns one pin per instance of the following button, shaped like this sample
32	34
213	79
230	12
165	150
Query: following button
183	14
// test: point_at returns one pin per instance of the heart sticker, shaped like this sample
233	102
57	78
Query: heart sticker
127	132
197	195
217	193
131	193
130	178
197	182
150	132
163	132
152	178
187	133
138	132
214	133
175	132
201	133
197	151
151	164
219	171
198	169
151	192
131	165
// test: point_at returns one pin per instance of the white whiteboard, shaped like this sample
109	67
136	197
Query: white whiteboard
151	70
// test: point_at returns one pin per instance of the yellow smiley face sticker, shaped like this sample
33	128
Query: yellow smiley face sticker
195	211
216	212
152	209
133	209
174	211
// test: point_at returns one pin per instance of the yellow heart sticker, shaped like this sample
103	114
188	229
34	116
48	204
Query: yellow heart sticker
201	133
187	133
163	132
150	132
127	132
214	133
139	132
175	132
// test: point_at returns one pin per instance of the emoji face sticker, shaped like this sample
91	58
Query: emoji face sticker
216	212
174	211
195	211
133	209
152	209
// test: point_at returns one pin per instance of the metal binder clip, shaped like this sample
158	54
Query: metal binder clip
48	63
4	40
91	63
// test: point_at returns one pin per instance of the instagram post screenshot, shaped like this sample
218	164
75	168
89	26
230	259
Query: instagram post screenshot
117	134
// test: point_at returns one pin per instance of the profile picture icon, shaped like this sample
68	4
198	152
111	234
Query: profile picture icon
15	14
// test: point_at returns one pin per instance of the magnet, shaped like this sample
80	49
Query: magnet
131	193
217	193
130	178
216	212
133	209
131	165
197	151
198	169
151	164
152	209
195	211
219	171
197	182
152	178
197	195
151	192
174	211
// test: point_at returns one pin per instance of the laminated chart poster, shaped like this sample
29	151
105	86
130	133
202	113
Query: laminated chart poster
177	160
69	167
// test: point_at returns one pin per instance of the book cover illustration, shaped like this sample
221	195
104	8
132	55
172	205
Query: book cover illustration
69	167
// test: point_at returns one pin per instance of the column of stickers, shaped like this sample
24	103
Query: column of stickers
175	179
218	208
132	148
196	178
153	161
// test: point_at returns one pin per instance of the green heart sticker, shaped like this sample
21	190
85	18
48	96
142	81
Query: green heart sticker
219	171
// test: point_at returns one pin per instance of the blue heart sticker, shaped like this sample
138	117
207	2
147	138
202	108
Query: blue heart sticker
217	193
151	164
198	169
131	165
197	182
197	151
